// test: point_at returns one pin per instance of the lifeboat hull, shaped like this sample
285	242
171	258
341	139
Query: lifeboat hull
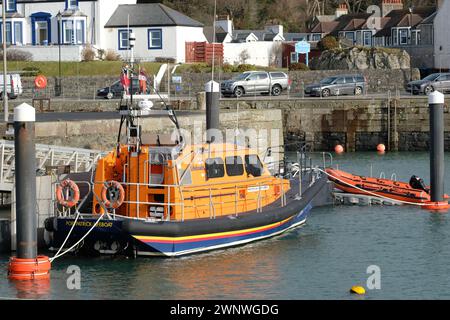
395	190
167	238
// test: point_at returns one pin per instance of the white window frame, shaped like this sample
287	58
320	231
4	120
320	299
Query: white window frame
405	31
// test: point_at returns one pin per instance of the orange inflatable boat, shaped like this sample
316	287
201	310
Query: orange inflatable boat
414	191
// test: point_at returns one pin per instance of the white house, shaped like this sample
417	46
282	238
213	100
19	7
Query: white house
441	36
39	26
160	31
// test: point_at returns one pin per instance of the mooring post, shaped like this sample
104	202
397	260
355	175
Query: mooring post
27	265
212	90
436	104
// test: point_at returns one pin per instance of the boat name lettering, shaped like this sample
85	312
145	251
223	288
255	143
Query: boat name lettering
256	189
90	224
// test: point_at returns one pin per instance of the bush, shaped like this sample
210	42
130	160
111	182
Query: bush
31	71
88	54
17	55
111	55
165	60
328	43
245	67
228	68
298	67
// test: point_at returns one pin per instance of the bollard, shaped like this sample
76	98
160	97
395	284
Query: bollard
212	89
436	105
27	265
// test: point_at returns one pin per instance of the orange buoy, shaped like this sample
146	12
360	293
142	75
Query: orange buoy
339	149
381	148
437	206
70	200
40	82
113	189
29	269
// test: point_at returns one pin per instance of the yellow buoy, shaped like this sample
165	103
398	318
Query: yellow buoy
358	290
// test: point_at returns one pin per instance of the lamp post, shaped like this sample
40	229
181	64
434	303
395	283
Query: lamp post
58	81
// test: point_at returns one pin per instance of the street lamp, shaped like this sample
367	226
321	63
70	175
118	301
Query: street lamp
58	81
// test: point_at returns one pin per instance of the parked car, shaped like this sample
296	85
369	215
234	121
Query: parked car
353	84
116	89
14	85
435	81
254	82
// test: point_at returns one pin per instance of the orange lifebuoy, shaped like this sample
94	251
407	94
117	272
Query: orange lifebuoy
72	199
113	194
40	82
29	269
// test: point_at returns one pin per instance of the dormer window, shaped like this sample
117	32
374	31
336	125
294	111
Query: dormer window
11	6
71	4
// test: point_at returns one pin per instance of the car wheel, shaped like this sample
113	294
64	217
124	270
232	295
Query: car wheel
110	95
326	92
358	91
238	92
276	90
428	90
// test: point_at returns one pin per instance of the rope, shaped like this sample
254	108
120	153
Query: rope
372	193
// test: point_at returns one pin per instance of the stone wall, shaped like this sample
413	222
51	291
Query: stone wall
86	87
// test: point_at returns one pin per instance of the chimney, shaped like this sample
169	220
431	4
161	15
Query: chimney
389	5
341	10
226	23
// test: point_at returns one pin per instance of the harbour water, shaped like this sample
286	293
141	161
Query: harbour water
320	260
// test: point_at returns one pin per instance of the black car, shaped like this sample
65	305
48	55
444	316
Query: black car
353	84
116	90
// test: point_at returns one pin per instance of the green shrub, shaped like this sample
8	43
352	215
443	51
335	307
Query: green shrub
328	43
16	55
165	60
298	67
111	55
228	68
245	67
31	71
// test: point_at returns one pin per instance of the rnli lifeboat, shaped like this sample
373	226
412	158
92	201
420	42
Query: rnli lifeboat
414	192
155	195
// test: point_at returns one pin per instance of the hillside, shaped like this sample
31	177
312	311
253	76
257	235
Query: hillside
252	14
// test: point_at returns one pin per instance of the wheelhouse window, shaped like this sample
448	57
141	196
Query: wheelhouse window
73	31
234	166
124	39
214	168
11	6
253	165
154	38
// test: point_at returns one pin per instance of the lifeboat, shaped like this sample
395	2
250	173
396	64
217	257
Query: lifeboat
155	195
413	192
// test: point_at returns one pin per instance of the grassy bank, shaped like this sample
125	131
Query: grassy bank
106	68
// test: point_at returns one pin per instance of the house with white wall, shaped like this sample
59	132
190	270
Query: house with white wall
39	26
160	32
441	36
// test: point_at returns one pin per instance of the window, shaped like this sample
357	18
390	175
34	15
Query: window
340	81
71	4
394	37
18	34
316	37
253	165
294	57
124	36
155	39
11	6
262	76
350	36
403	36
367	38
278	75
73	31
214	168
8	33
235	166
349	80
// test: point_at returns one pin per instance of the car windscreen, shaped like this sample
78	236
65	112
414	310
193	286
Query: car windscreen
432	77
241	77
329	80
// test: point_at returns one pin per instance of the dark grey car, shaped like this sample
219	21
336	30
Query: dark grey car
348	84
435	81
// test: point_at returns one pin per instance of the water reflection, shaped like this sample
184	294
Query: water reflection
35	289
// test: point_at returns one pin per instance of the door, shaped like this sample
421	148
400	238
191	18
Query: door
444	83
338	86
251	83
349	87
42	33
263	82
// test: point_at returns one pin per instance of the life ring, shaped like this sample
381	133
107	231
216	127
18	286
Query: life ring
73	196
40	82
113	194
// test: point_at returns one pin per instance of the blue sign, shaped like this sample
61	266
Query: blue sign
177	79
302	47
178	88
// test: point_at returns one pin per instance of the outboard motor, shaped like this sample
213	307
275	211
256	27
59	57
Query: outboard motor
417	183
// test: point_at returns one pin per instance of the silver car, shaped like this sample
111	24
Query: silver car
351	84
435	81
254	82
